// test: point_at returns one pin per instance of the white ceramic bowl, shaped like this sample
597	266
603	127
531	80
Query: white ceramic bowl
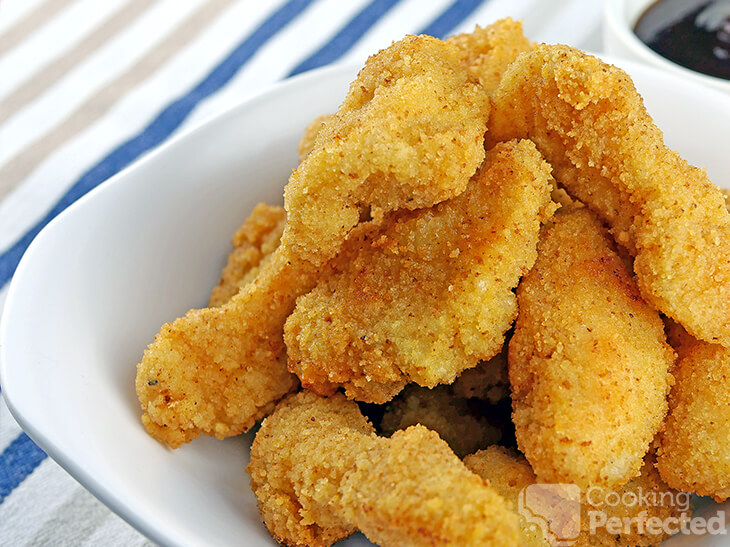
619	39
144	247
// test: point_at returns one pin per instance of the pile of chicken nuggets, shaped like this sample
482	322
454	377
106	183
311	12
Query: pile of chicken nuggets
489	273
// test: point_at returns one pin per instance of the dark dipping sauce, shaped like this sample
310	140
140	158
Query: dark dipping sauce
670	28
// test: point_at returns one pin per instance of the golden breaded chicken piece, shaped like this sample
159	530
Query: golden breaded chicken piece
488	51
694	453
306	143
319	473
590	123
409	134
726	195
432	293
588	361
216	371
463	428
488	381
646	497
257	238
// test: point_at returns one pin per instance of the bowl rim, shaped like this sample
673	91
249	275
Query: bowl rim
616	21
13	302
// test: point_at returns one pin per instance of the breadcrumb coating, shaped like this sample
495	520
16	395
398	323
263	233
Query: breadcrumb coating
726	195
461	426
409	134
588	120
306	143
319	473
257	238
694	453
509	473
431	294
588	361
488	51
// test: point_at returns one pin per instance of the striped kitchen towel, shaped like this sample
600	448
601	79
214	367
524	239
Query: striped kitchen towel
88	87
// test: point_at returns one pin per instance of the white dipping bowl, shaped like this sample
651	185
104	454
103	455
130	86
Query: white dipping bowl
619	20
98	282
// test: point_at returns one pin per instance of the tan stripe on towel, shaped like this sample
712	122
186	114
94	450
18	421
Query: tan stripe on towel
52	73
22	164
36	18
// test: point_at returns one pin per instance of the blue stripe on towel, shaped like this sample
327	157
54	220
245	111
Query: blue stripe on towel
451	17
17	461
347	36
159	129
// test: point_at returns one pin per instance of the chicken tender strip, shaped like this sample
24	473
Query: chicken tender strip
588	361
509	473
461	426
694	453
216	371
432	293
257	238
590	123
319	472
409	134
488	51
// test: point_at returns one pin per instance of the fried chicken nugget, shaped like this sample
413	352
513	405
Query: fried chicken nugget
590	123
694	453
432	293
462	427
488	51
319	472
642	500
409	134
257	238
588	361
